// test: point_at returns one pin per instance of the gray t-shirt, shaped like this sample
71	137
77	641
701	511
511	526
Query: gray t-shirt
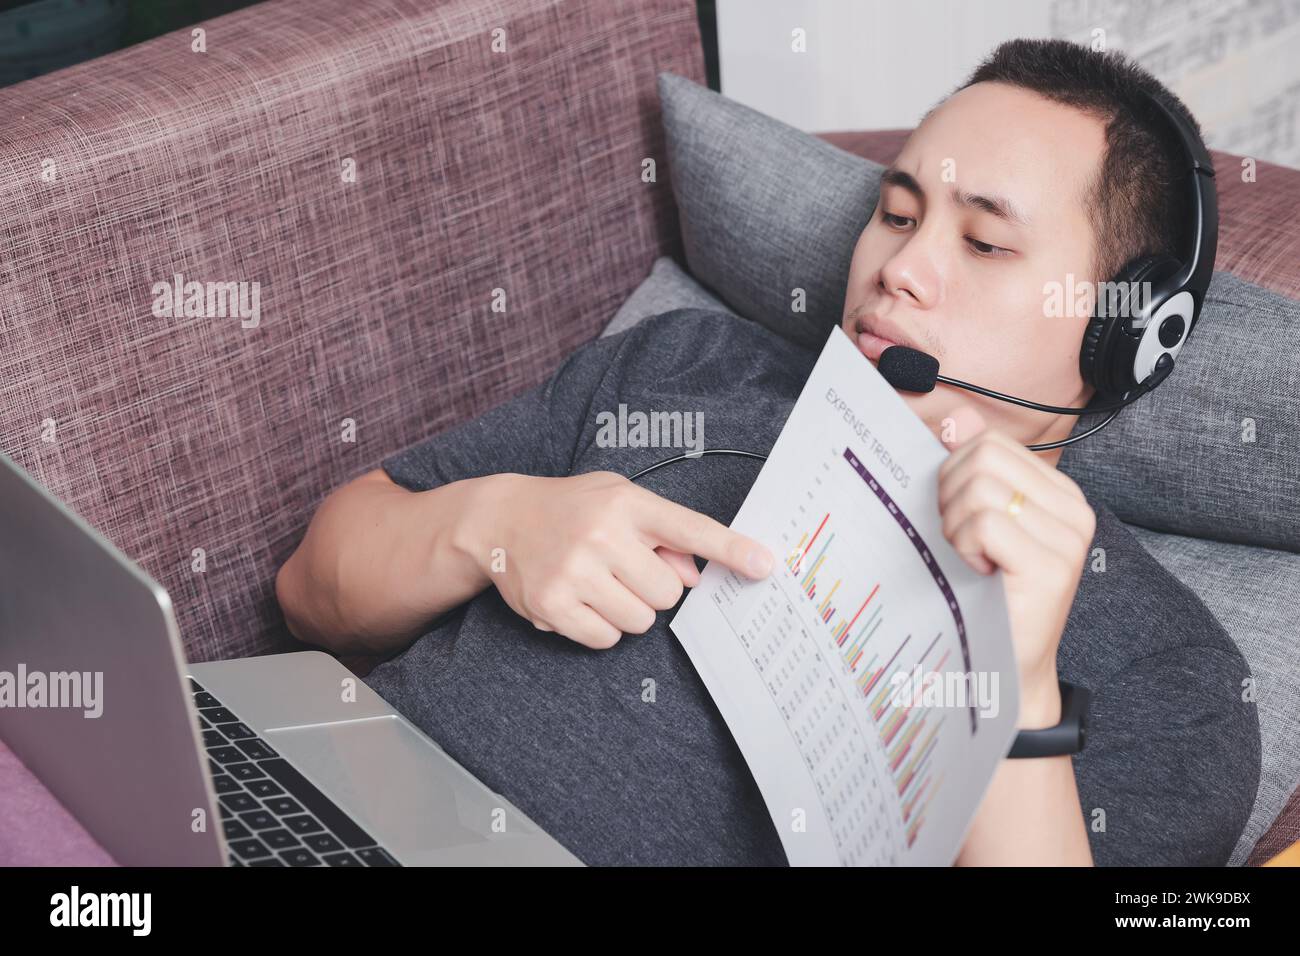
568	735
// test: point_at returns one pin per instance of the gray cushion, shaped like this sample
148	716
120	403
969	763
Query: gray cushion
1254	592
667	287
1176	460
765	209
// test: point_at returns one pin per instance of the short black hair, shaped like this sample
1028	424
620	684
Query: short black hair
1136	207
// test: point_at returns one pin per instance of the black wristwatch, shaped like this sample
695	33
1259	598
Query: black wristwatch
1067	737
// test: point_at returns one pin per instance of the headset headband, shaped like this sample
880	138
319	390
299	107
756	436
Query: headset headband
1197	261
1131	343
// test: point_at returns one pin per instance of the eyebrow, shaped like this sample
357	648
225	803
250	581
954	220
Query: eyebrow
998	206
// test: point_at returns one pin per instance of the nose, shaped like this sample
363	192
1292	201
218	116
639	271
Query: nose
910	273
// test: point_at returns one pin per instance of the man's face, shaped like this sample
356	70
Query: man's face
983	207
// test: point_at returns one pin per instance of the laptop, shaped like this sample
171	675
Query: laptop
282	760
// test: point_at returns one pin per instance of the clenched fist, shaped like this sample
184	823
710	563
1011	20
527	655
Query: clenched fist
1039	538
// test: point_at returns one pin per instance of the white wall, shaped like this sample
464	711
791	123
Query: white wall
876	64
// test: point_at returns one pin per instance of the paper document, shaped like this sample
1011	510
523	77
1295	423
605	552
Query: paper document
870	680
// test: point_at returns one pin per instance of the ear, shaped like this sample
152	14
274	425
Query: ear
962	424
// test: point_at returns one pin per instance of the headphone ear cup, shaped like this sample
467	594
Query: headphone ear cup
1107	355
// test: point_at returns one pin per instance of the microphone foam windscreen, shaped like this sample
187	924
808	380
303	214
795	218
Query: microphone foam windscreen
908	369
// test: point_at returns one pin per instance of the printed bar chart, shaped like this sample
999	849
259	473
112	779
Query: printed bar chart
823	670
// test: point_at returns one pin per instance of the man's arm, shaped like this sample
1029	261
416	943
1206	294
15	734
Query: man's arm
590	557
1031	814
384	554
1031	811
379	561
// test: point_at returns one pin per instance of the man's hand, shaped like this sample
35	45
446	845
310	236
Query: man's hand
1041	550
593	557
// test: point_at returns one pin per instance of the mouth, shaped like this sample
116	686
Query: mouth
873	337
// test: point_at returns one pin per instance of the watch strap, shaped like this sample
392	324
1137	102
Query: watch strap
1067	737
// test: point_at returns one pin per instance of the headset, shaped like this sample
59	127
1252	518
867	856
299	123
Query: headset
1133	336
1121	352
1131	340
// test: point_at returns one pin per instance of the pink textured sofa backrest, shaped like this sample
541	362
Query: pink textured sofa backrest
378	170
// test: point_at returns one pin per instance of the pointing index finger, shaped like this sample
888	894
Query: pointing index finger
675	526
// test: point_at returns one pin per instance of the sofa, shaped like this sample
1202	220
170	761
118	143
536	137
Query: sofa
439	203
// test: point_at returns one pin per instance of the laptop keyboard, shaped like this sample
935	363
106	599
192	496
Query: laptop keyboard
272	814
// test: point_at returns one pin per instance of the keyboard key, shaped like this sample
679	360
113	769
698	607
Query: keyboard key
224	783
300	857
269	861
239	802
226	754
244	771
204	725
263	788
225	814
214	767
204	699
283	806
194	685
303	824
213	738
237	731
323	843
235	830
259	820
278	839
376	856
338	822
255	749
219	715
342	859
250	849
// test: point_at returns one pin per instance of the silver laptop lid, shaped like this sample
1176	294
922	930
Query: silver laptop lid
93	697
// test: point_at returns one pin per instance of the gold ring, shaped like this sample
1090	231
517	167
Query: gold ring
1013	506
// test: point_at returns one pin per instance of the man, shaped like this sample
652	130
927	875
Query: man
522	581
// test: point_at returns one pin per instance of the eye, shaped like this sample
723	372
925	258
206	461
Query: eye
986	249
896	222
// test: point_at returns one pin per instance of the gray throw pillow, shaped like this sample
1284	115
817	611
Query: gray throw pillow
668	287
769	214
767	210
1214	452
1212	456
